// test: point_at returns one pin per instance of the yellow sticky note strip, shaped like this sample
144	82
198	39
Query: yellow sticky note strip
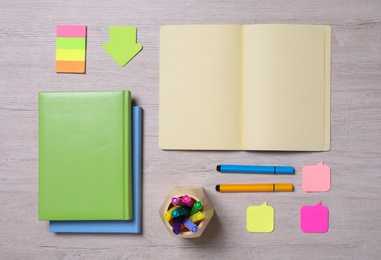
70	55
260	218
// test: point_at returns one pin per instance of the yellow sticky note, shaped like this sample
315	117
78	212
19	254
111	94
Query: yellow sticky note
70	55
260	218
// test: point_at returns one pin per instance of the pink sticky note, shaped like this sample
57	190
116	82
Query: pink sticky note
314	219
71	31
316	178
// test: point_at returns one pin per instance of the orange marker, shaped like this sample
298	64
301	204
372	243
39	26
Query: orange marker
272	187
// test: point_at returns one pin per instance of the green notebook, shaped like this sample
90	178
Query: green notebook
85	155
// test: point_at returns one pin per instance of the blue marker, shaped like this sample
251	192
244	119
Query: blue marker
255	169
190	225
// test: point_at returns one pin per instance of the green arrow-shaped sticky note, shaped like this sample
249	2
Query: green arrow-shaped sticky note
122	46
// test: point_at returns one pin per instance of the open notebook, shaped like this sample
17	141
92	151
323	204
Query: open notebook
249	87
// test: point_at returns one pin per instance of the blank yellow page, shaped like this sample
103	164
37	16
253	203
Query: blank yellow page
200	87
286	87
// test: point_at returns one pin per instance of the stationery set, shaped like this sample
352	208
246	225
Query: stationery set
262	87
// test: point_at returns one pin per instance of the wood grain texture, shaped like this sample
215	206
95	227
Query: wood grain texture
27	62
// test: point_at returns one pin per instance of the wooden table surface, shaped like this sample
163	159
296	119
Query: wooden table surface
27	66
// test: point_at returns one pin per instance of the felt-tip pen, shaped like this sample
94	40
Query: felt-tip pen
177	225
190	225
272	187
168	215
180	211
188	200
197	206
227	168
197	216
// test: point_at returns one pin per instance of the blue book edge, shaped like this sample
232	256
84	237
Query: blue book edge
116	226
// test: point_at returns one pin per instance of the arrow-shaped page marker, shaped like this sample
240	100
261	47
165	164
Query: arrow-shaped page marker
122	46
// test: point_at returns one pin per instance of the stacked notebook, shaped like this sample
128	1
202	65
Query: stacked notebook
90	162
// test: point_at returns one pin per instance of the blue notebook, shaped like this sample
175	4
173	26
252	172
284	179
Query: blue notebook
116	226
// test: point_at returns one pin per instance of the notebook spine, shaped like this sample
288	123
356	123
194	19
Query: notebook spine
127	114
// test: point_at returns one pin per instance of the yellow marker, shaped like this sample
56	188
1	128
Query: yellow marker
272	187
168	215
197	216
260	218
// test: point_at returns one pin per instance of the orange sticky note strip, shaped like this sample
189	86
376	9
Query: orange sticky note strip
70	66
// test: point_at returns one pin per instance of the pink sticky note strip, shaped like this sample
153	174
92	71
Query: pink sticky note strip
314	219
317	178
71	31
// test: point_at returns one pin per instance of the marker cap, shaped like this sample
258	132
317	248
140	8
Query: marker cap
194	229
284	170
283	187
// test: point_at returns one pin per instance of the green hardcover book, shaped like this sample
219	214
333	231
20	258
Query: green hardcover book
85	155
